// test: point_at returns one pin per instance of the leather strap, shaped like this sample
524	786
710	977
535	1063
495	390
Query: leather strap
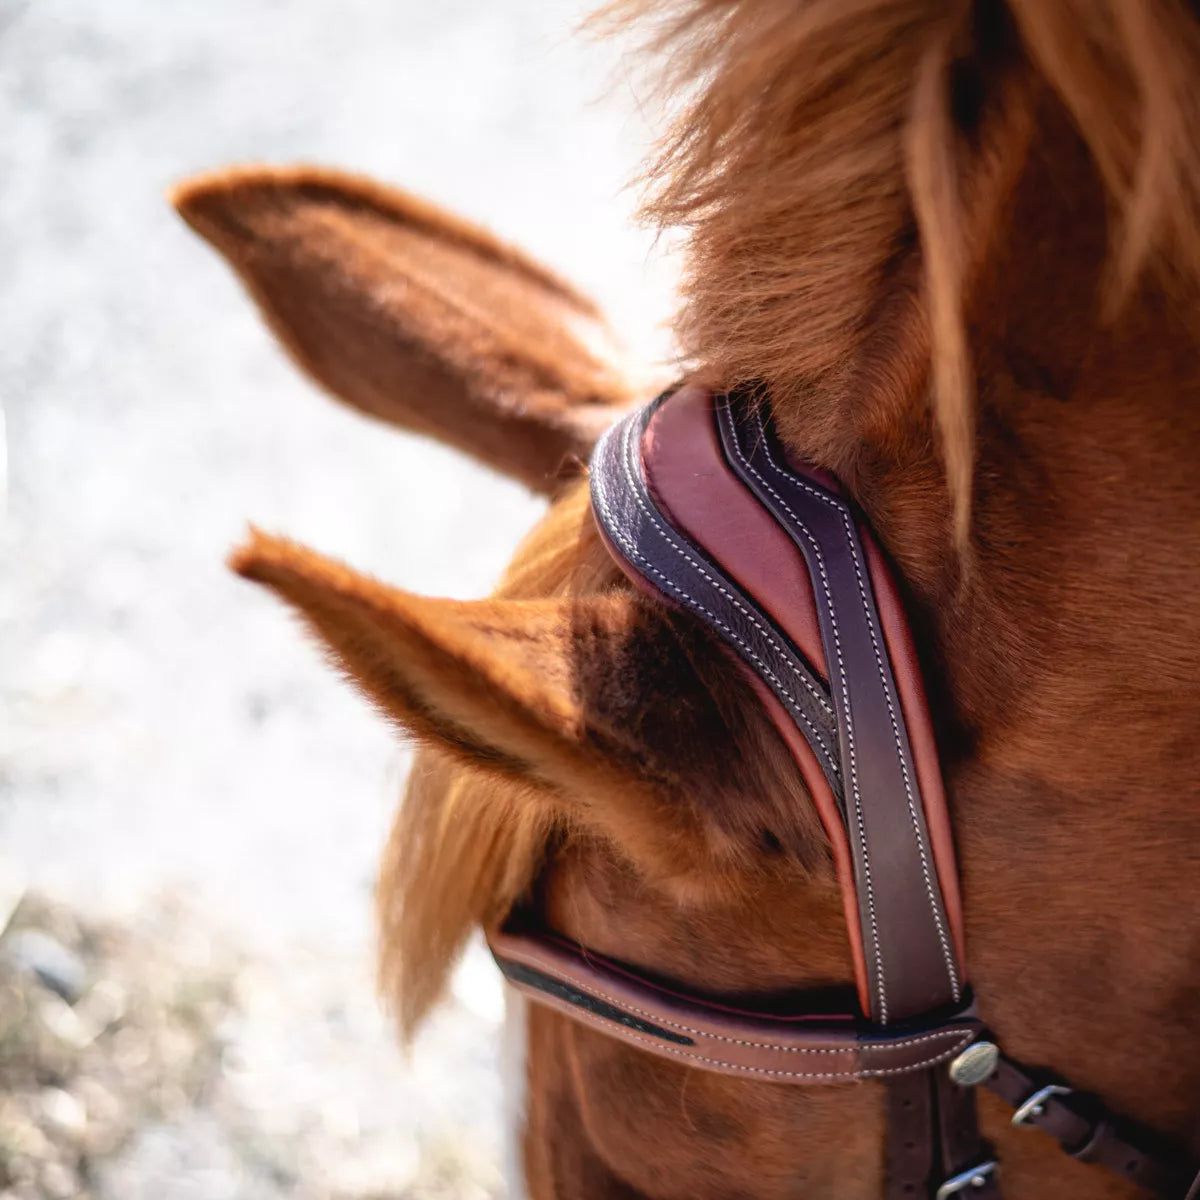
909	1153
1087	1131
912	966
928	1103
933	1135
795	1049
963	1153
701	509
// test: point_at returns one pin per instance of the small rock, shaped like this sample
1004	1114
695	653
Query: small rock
63	1110
101	1106
23	1143
103	1006
58	1181
60	1019
59	969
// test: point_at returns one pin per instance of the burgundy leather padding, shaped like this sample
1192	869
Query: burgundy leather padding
910	686
792	1050
687	474
689	479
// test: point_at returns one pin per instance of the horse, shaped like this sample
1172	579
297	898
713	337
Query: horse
955	242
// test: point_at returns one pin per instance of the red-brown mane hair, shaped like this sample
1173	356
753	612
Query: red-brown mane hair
822	139
467	843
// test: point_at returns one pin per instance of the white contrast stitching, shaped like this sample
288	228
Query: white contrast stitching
908	793
627	433
873	1047
628	546
865	1073
630	549
858	572
852	765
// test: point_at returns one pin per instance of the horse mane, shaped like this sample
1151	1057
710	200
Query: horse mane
467	843
817	142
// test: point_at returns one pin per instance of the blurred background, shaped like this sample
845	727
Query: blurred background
191	805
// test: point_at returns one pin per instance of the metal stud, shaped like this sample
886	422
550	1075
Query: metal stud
975	1064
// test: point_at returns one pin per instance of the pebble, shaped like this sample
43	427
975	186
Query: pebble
59	969
63	1110
60	1019
103	1006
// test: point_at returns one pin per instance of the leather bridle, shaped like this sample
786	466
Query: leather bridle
700	506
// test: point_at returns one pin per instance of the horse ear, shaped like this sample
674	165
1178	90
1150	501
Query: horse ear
414	316
592	701
489	681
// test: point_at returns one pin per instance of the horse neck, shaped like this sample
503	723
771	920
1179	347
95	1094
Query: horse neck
1063	649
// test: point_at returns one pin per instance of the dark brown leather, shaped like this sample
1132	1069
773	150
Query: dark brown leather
907	948
912	965
930	1103
1088	1132
909	1154
803	1049
910	684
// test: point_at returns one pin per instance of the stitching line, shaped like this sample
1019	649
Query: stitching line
864	1073
631	549
840	509
662	529
872	1047
725	415
628	546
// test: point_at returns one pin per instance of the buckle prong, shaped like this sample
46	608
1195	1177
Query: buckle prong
1035	1105
975	1177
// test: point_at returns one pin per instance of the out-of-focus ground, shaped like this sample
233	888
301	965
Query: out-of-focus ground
191	806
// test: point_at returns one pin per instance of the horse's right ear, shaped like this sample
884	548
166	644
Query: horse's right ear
414	316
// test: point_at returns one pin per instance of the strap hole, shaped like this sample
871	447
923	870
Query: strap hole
1131	1166
910	1145
909	1188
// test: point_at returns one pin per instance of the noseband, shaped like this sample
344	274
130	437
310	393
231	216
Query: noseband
701	507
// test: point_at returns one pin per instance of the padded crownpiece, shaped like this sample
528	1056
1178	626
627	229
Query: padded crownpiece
700	505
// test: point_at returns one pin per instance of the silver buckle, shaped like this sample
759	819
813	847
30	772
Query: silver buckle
1035	1105
976	1177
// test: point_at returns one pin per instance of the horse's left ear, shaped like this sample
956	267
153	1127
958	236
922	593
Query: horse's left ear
415	316
590	701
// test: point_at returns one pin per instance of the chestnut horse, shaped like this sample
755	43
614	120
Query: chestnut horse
958	243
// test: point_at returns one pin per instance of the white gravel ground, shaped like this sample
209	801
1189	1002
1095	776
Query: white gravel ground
163	728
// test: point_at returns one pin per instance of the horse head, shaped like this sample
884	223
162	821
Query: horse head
955	245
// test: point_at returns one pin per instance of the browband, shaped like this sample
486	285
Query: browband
701	506
783	1049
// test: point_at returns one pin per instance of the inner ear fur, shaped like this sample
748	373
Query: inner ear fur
619	717
415	316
